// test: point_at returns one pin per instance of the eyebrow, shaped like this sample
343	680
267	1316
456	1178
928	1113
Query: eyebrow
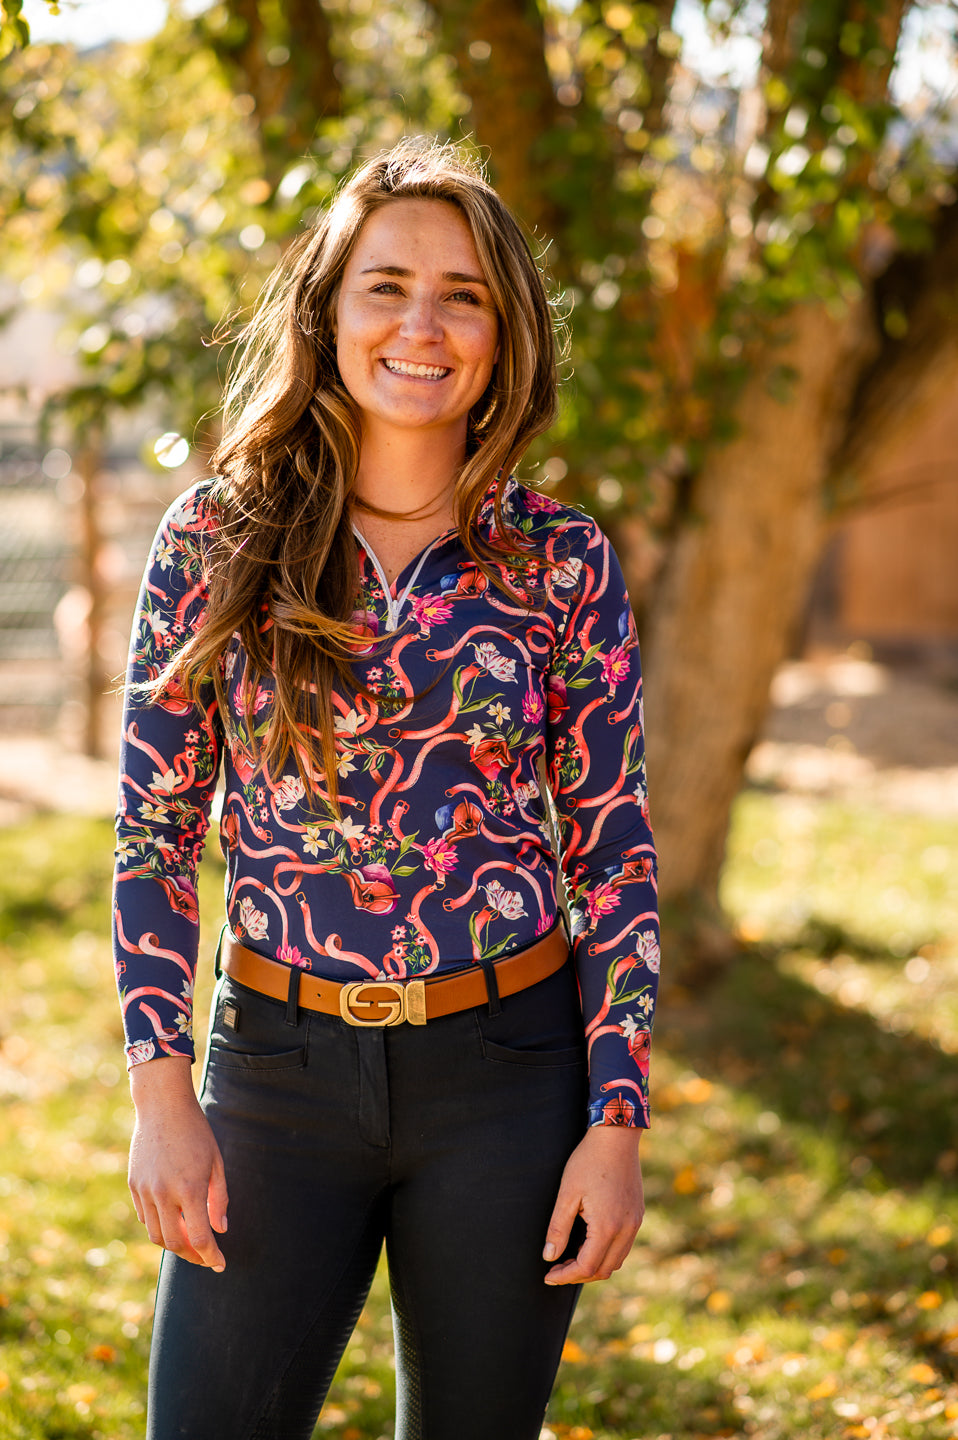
456	276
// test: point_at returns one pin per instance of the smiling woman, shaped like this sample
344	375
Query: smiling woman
383	638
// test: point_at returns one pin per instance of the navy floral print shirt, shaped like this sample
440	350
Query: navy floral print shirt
444	852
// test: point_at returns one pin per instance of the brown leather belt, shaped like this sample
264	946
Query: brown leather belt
390	1002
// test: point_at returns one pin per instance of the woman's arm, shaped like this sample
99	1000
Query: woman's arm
596	767
170	755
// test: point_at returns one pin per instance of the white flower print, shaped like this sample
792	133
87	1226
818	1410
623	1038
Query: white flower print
348	724
647	949
490	659
507	902
167	781
566	575
475	735
349	829
253	920
289	792
313	842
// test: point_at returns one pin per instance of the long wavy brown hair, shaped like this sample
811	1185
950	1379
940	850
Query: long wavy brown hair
282	565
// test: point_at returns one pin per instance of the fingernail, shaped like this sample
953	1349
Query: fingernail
223	1223
552	1282
549	1253
218	1269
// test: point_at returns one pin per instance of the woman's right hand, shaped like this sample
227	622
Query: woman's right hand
176	1172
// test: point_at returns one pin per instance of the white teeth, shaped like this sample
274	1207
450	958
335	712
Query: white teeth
422	372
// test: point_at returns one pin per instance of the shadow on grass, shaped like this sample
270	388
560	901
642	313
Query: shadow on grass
887	1100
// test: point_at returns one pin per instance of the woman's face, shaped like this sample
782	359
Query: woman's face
417	332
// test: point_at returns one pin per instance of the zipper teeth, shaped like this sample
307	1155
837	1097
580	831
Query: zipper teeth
394	607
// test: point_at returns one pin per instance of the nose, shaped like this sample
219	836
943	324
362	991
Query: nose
420	319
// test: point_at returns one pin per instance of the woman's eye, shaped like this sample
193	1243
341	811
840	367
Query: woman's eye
386	287
469	296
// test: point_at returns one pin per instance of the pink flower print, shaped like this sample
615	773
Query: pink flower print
490	756
431	610
264	697
544	925
253	921
602	901
533	708
615	666
292	956
535	500
648	950
556	699
507	903
439	856
398	932
373	889
497	664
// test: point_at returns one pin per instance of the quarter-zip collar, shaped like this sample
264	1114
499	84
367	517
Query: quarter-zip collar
486	523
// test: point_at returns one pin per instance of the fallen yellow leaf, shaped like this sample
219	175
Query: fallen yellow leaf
928	1300
719	1302
4	1381
940	1235
838	1256
573	1353
639	1333
922	1374
951	1410
823	1389
686	1181
106	1353
580	1432
855	1432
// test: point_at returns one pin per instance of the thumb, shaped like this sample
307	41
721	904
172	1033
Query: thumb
560	1225
217	1200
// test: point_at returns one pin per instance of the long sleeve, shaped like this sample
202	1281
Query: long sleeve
169	759
596	768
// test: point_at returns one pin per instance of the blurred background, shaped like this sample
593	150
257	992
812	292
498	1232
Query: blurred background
749	214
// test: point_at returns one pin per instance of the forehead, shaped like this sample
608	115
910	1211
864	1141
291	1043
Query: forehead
416	233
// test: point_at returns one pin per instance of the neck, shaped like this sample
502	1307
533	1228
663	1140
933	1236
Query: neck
417	474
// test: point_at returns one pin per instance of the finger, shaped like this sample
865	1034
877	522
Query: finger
195	1226
560	1226
583	1266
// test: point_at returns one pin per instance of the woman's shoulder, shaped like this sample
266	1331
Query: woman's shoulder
194	513
542	518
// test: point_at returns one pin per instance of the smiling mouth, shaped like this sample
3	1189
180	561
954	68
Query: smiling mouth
419	372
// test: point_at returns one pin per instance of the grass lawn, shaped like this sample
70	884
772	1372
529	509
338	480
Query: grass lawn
795	1276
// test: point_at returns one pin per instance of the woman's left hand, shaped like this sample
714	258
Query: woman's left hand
602	1182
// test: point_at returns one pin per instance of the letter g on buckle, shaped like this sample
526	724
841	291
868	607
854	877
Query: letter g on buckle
383	1002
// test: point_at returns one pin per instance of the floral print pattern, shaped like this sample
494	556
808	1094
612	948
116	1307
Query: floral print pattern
443	854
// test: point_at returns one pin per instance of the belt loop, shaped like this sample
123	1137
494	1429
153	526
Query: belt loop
217	962
492	986
292	996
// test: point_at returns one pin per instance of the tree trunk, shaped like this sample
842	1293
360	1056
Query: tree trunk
510	82
732	587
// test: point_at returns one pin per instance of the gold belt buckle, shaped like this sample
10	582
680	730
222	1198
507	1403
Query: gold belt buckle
383	1002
